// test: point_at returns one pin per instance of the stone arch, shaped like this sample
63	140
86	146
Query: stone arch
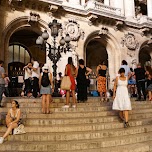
113	51
145	53
15	25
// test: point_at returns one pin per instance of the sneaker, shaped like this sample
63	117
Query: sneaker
65	106
74	106
1	140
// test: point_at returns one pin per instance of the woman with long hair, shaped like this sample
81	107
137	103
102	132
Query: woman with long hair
82	73
70	71
12	119
101	80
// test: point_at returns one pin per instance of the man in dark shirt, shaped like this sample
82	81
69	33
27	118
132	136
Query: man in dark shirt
140	81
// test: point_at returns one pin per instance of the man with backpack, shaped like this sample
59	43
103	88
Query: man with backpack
46	88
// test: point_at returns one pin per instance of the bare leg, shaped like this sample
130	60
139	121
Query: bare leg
9	129
121	115
101	93
73	97
67	97
48	103
149	94
43	103
125	115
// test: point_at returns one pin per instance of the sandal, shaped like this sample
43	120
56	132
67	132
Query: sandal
49	112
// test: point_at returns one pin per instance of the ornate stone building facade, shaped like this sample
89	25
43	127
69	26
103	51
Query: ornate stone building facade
110	30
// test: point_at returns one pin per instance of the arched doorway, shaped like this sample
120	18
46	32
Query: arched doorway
145	54
103	47
95	53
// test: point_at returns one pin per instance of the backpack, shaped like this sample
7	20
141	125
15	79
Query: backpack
45	81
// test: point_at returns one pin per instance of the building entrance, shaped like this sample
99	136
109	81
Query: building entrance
145	55
95	53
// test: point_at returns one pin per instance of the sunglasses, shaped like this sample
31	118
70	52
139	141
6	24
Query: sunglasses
46	69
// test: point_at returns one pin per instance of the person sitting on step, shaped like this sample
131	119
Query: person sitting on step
12	119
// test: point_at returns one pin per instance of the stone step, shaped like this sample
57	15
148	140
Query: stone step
81	127
81	120
76	145
81	114
86	120
61	101
76	136
138	147
73	113
75	110
79	108
65	121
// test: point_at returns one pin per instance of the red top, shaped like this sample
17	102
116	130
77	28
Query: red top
69	73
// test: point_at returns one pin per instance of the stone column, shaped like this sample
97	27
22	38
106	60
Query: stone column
129	8
74	2
149	8
107	2
119	4
83	2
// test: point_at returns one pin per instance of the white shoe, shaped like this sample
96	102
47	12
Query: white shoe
65	106
74	106
1	140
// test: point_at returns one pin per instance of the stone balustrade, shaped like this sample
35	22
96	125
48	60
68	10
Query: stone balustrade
101	7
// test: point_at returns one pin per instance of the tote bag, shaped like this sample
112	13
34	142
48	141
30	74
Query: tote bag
66	83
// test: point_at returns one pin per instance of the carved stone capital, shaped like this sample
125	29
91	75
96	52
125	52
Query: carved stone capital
119	25
10	1
91	19
53	8
103	31
145	31
34	17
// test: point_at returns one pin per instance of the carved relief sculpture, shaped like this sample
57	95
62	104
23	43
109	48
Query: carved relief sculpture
130	41
72	28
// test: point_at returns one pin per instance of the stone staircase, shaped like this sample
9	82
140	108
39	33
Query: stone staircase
91	127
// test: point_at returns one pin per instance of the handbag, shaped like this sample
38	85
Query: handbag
66	83
19	130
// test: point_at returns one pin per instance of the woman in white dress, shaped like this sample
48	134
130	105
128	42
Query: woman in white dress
121	97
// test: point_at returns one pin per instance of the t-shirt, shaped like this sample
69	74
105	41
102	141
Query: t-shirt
2	71
28	73
37	72
140	73
127	69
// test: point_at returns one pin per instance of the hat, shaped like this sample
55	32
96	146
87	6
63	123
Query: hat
45	67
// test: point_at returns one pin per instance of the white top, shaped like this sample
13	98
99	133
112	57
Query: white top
28	73
37	72
122	100
127	69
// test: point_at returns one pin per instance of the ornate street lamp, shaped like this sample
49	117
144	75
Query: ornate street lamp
54	50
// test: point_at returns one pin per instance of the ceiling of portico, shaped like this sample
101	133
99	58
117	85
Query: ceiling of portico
27	37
